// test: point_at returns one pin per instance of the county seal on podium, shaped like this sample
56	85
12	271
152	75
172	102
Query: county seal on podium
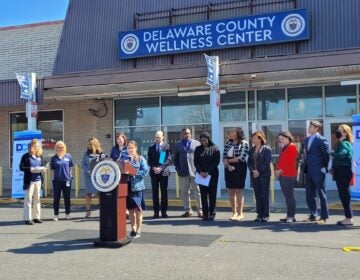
105	175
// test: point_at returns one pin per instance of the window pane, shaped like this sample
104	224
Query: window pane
135	112
340	101
271	104
305	102
49	122
233	107
186	110
173	133
251	104
144	137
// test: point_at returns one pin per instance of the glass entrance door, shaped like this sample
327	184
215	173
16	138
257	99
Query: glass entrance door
272	130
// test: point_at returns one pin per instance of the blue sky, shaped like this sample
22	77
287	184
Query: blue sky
19	12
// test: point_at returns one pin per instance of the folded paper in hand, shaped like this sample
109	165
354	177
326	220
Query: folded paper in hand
201	180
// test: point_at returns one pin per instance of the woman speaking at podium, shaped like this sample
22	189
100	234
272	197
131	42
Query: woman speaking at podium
135	200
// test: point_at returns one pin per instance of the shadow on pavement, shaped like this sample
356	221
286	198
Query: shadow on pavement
51	247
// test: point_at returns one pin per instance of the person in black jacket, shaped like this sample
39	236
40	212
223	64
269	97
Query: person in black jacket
206	161
32	165
259	166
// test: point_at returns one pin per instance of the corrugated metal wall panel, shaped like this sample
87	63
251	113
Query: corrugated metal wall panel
10	93
331	21
90	35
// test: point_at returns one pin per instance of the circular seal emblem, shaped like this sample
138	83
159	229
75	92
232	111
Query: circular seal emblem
293	25
105	175
129	43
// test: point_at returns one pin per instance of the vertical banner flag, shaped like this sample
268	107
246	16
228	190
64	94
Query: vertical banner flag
25	82
355	190
20	147
212	80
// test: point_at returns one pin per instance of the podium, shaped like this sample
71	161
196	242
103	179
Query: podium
113	211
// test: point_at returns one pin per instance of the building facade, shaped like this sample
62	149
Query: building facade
272	85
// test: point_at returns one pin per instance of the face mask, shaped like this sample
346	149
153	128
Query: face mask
338	134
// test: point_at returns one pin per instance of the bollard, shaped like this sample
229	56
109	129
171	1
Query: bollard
77	179
1	182
177	186
272	183
47	180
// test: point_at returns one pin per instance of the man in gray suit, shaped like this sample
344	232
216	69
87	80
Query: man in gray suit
185	168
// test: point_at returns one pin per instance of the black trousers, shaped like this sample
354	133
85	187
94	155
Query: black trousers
208	196
58	188
261	187
162	181
342	177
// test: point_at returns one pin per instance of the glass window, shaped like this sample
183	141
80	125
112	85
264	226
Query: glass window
173	133
144	137
49	122
137	112
340	101
251	104
271	104
186	110
233	107
305	102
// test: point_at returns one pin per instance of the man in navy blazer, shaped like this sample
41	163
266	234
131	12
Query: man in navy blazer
159	158
317	156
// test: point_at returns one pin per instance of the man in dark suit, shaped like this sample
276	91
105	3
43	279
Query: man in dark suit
159	159
317	156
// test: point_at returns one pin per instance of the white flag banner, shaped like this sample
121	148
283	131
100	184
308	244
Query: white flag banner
25	86
212	63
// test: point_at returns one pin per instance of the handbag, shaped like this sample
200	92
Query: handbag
352	180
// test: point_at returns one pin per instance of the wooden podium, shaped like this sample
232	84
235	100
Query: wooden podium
113	211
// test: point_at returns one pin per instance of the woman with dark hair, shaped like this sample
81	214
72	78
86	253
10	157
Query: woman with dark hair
342	170
286	171
259	166
119	150
206	161
235	154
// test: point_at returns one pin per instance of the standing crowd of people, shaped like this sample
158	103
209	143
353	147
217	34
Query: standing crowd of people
196	164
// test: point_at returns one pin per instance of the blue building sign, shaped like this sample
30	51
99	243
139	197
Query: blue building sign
269	28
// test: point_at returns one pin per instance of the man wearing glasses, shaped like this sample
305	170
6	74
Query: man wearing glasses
185	168
317	156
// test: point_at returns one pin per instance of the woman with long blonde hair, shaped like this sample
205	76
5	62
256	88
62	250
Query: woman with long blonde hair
61	164
136	186
342	170
32	165
93	154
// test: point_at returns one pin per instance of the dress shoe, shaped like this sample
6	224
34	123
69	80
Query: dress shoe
321	221
200	215
164	215
38	221
309	219
205	218
186	214
29	223
257	219
156	216
284	219
212	218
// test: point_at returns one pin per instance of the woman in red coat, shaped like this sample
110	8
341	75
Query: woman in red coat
286	171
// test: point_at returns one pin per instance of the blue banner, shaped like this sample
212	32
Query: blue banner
20	147
218	34
25	86
355	190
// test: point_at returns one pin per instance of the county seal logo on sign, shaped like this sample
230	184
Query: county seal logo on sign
293	25
130	43
105	175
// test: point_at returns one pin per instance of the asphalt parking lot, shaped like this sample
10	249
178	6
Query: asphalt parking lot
178	248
